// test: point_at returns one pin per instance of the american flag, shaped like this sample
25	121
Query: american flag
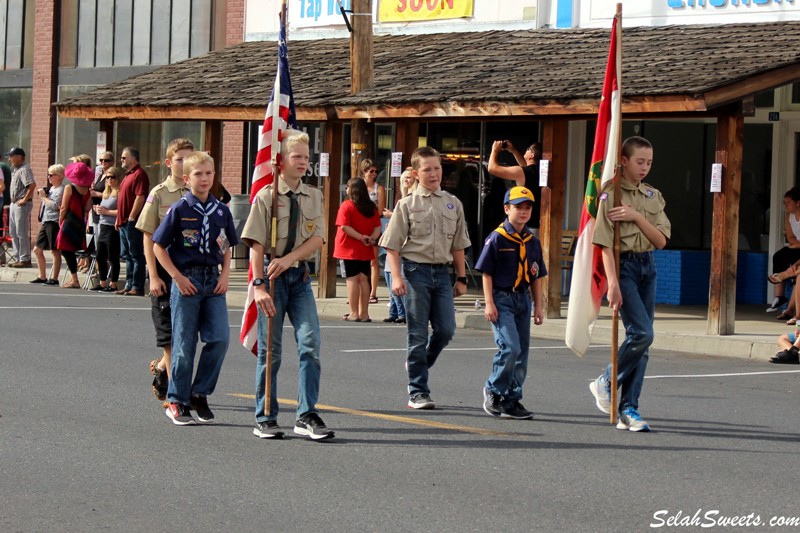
280	116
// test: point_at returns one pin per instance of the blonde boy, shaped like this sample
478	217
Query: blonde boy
192	242
158	202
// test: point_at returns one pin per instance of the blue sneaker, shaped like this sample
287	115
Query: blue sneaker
631	420
602	394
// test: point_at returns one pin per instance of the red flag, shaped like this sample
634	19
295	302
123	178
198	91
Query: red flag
589	283
280	116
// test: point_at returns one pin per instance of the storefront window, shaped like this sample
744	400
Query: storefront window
15	118
151	139
75	135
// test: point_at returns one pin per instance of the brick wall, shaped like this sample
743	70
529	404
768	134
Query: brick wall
43	121
233	132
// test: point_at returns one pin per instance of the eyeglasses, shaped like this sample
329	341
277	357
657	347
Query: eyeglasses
110	176
123	158
53	175
108	160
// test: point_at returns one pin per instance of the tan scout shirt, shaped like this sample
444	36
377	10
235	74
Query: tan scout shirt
310	223
646	200
158	202
426	227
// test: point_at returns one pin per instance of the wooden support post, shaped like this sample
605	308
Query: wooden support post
331	196
361	78
551	219
212	144
725	227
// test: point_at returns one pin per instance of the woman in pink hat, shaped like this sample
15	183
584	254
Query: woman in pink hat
75	205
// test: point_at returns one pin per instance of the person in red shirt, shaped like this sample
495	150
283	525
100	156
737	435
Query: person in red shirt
130	201
358	229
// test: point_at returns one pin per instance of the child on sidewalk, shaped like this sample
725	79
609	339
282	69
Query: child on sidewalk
643	227
193	240
428	231
158	202
296	244
512	265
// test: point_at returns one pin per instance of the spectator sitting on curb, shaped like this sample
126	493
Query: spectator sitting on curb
790	349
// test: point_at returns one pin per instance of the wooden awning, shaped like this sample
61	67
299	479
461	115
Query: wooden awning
668	69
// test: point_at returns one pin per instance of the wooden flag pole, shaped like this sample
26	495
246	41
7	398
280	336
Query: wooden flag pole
276	109
617	203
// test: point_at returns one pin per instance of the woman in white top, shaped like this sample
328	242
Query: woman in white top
783	261
369	173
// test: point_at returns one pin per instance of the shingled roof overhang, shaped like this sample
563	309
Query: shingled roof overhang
666	70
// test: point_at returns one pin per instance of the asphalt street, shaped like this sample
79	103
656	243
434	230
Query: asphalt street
84	446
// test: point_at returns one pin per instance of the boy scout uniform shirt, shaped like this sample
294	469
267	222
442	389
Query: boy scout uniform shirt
500	258
180	233
310	222
158	202
646	200
426	227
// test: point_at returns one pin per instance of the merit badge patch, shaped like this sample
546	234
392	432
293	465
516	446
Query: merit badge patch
191	238
650	193
450	206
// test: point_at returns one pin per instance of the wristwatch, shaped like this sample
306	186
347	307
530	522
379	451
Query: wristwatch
461	279
258	281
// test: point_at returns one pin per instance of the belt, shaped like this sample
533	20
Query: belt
512	289
434	265
642	257
200	269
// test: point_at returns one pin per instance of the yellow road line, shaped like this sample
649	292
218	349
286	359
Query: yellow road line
393	418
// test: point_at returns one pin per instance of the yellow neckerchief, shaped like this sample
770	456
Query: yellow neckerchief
523	274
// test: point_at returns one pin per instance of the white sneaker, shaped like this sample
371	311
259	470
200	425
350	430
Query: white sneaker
777	303
602	397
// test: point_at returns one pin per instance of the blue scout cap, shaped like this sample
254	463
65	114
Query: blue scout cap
517	195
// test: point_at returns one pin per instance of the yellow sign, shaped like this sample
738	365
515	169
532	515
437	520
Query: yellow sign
419	10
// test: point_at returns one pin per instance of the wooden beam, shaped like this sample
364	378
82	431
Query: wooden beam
318	114
752	85
407	139
361	61
331	195
551	216
725	228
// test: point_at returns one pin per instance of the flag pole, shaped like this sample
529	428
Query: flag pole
273	224
617	203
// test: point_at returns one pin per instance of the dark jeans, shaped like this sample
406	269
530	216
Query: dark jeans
132	248
108	253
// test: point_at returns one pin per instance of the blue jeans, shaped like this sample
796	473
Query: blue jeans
132	249
512	334
429	298
397	308
637	281
203	313
293	296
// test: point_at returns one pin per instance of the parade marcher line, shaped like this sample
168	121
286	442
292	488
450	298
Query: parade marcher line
392	418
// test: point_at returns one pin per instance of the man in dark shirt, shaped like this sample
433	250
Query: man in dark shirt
130	201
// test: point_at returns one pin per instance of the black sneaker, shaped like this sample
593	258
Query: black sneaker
200	406
160	380
491	402
180	415
312	426
388	320
38	280
268	430
787	357
515	410
51	282
421	401
400	320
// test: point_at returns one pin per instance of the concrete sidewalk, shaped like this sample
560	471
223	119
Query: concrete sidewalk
678	328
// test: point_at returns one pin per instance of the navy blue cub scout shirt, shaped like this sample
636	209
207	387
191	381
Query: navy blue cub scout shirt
500	258
181	232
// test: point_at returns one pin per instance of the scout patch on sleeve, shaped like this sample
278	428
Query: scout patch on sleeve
150	198
191	238
535	269
650	193
603	196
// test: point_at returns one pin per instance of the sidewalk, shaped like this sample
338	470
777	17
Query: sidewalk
678	328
